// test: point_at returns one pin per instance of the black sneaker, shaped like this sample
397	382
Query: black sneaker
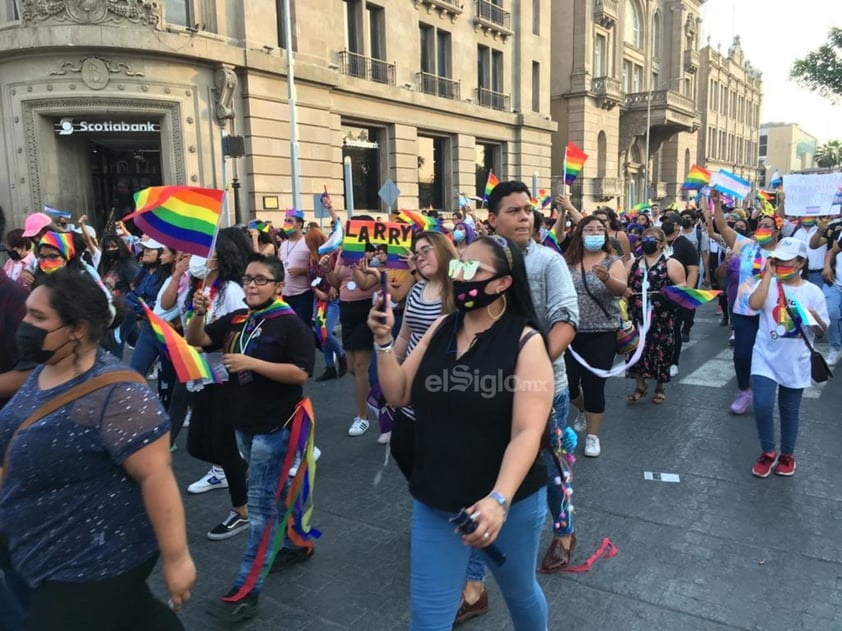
243	609
328	374
230	526
288	557
685	337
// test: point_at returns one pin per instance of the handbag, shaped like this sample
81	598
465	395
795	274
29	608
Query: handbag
819	370
628	337
76	392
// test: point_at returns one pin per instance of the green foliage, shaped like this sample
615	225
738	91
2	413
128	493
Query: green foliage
821	69
829	155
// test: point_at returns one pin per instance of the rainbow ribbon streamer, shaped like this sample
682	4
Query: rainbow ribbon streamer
688	297
295	522
320	321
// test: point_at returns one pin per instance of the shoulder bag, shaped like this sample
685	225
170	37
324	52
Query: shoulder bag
628	337
819	370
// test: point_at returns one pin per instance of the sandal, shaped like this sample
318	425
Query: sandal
659	397
637	395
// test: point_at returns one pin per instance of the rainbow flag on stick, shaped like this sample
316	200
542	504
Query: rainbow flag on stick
490	183
421	222
574	162
184	218
696	179
544	197
688	297
189	364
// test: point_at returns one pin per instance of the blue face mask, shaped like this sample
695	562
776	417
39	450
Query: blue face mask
594	242
458	236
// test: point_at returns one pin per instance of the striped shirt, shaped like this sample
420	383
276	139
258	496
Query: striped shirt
419	315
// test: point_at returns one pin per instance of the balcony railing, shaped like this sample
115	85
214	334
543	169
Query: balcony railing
356	65
444	87
492	99
493	17
606	12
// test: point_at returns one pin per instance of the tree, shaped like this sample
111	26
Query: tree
821	69
829	155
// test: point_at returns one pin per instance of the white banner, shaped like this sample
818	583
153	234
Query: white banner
811	195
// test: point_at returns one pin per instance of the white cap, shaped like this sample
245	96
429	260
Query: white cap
788	248
89	229
151	244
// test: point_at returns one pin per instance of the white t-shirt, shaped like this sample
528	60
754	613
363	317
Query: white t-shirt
230	298
779	350
815	256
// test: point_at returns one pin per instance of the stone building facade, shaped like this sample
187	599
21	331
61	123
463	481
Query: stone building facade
100	98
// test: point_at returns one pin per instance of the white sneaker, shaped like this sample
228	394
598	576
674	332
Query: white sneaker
581	423
384	438
317	453
832	357
358	427
673	371
213	479
592	449
187	418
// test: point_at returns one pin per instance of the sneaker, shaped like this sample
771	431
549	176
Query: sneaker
763	467
317	453
592	449
724	321
832	357
328	374
674	370
358	427
685	337
786	465
213	479
731	341
244	609
384	438
742	402
343	366
230	526
287	557
581	422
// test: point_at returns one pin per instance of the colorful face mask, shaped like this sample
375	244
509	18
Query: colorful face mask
785	272
51	265
763	236
808	223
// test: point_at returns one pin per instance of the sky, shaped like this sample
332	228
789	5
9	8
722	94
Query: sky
771	40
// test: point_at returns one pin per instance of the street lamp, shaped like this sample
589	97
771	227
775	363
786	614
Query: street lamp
293	119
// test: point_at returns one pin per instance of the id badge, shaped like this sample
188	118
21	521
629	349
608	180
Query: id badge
245	377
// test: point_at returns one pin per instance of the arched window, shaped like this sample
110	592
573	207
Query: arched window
634	24
656	36
601	154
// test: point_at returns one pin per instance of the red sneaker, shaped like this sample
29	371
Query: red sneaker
763	467
786	465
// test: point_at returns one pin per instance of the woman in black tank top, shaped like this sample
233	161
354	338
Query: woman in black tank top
481	383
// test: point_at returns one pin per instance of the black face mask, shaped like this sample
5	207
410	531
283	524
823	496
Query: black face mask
668	227
649	247
30	343
112	255
687	223
740	231
14	255
470	294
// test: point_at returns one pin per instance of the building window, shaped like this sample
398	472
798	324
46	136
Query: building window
428	49
179	12
764	141
637	78
536	86
354	26
724	100
364	146
536	17
432	172
599	48
11	11
632	77
490	78
723	145
489	157
443	58
376	32
626	76
634	24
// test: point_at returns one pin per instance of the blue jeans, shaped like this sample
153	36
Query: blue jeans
789	402
816	278
145	350
833	298
439	560
332	346
265	454
745	331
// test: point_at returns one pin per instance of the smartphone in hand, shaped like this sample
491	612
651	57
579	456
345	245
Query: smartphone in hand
384	290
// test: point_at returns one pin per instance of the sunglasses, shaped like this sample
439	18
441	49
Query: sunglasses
469	269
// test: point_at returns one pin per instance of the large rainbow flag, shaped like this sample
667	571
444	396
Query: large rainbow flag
184	218
421	222
688	297
696	178
490	183
574	162
189	364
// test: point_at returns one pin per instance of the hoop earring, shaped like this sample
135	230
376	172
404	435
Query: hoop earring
502	311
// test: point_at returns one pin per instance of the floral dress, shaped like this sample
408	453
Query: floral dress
660	341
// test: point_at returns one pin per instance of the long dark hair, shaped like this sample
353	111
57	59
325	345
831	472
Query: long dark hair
125	256
232	252
76	297
576	243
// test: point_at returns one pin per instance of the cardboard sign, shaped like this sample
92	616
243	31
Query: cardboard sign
361	236
811	195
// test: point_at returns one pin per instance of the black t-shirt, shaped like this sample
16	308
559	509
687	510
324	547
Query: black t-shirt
684	252
262	405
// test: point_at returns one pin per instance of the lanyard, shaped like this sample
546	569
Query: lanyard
245	346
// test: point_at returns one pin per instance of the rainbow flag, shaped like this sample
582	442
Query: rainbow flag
183	218
544	197
696	178
551	241
320	320
639	208
189	364
574	162
421	222
769	197
688	297
490	183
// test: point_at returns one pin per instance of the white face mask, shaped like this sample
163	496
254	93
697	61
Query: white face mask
198	267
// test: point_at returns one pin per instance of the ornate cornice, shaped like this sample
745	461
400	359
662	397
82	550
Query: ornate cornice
116	12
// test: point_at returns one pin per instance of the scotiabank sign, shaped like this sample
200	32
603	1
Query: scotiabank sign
67	127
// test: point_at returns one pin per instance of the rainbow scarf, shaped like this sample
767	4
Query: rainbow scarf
253	319
295	520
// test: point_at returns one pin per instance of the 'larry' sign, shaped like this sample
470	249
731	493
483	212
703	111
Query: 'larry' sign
393	239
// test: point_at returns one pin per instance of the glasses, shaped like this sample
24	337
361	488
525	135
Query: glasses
260	281
469	269
422	252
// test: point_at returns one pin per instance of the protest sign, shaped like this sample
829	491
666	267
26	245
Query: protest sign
363	236
811	195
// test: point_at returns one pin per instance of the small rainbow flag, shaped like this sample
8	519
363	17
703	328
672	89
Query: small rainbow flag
688	297
544	197
421	222
696	179
769	197
320	321
639	208
574	162
551	241
183	218
189	364
490	183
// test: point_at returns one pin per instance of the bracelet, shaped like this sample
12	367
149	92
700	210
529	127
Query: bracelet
385	348
501	500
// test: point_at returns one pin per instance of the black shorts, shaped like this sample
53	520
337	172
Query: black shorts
356	336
